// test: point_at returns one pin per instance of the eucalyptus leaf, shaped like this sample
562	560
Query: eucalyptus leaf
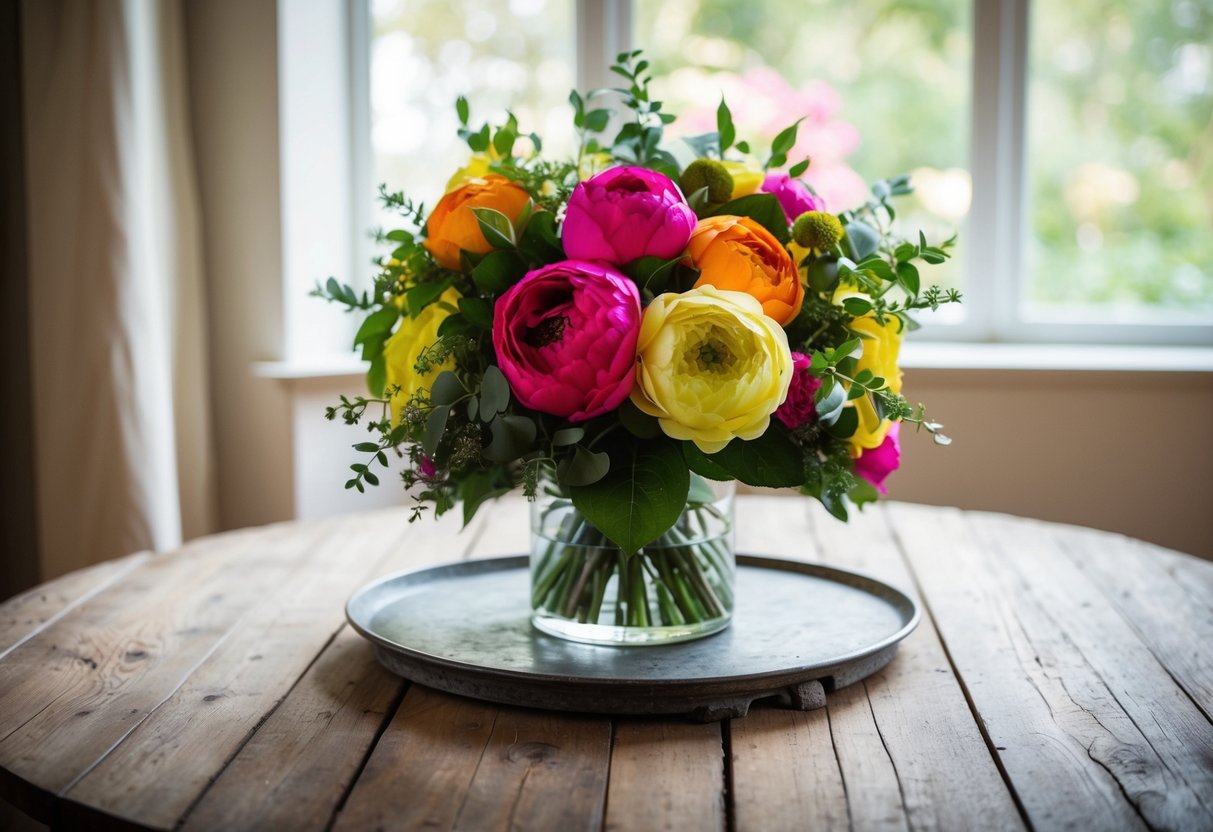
494	393
567	436
477	488
830	405
861	240
477	311
435	426
512	437
584	467
446	389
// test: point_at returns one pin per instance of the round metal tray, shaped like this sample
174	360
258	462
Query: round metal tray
799	631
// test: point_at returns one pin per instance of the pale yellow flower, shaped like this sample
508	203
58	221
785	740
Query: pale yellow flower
476	168
406	344
881	347
747	179
711	366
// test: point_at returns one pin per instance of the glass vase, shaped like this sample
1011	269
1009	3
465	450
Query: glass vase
677	588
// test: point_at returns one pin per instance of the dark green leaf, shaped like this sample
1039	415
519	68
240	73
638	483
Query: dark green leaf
702	464
494	393
857	306
596	120
447	389
512	437
764	209
477	311
799	168
823	274
366	447
376	375
567	436
476	489
422	295
771	460
637	422
831	397
641	496
498	271
846	424
435	425
786	139
582	468
461	110
371	478
724	126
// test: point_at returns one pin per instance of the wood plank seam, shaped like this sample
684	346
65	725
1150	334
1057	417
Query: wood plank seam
136	560
388	715
901	791
842	775
488	739
929	615
730	790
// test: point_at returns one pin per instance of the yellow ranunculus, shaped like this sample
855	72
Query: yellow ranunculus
711	366
881	346
746	179
406	344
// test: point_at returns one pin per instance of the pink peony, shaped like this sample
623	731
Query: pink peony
793	196
626	213
876	464
565	337
798	408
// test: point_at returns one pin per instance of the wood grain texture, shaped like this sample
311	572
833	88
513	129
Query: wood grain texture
300	763
785	772
163	766
1166	598
1103	686
422	767
929	738
666	775
29	612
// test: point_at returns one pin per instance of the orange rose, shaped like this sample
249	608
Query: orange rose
452	225
737	254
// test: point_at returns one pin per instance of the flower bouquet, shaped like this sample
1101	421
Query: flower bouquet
621	333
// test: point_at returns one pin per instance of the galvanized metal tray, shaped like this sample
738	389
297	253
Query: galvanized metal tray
800	631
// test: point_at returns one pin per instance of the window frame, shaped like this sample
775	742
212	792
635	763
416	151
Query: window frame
998	224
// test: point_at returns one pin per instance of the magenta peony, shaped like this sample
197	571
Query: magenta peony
626	213
798	408
793	196
565	338
876	464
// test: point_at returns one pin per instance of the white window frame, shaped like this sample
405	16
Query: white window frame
327	208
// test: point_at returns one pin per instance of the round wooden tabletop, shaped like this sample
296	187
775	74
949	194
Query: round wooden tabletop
1061	678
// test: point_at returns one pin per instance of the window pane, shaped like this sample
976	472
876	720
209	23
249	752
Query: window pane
884	87
1121	159
515	55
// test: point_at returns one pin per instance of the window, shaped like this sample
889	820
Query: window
1070	148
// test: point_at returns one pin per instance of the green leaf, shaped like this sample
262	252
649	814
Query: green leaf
764	209
512	437
498	271
857	306
724	126
494	393
446	389
540	243
652	273
641	496
422	295
782	143
846	424
863	492
771	460
584	467
861	240
799	168
479	141
461	110
637	422
743	147
702	464
496	227
477	311
907	273
596	120
823	274
477	488
366	447
831	398
376	375
567	436
435	425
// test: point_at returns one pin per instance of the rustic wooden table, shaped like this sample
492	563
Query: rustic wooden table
1061	678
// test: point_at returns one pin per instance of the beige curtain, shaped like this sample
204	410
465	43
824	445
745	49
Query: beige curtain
122	426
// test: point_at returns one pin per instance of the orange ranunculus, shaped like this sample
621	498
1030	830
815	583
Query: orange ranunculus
452	225
737	254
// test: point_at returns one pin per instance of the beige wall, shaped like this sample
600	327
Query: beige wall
1125	451
233	72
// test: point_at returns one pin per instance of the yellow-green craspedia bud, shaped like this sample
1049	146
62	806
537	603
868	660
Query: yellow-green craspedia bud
710	174
817	230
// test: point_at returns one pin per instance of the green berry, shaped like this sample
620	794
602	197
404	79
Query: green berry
817	230
710	174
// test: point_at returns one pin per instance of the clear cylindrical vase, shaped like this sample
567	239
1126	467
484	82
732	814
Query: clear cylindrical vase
676	588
